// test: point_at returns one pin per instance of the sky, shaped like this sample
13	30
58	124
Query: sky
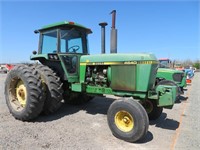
166	28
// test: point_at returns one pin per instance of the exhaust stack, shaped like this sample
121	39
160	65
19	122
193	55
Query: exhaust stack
113	34
103	24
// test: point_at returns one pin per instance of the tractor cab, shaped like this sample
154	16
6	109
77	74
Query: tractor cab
64	37
64	43
165	63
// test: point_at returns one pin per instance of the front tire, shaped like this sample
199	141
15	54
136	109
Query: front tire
24	93
128	120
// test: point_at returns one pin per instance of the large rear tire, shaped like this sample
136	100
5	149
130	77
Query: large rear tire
128	120
23	93
53	89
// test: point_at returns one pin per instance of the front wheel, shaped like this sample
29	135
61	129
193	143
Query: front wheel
128	120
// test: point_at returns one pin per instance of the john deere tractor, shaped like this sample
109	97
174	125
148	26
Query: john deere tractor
67	72
169	76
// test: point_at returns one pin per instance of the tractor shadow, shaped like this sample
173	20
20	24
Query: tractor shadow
146	139
98	105
181	99
165	123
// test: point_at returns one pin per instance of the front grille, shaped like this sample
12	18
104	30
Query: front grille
178	77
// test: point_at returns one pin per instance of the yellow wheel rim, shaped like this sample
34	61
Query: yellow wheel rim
124	121
21	93
44	84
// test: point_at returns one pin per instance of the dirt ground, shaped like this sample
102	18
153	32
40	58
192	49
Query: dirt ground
85	127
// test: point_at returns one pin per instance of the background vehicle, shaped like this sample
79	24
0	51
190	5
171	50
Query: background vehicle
165	63
4	68
178	66
189	74
171	77
167	74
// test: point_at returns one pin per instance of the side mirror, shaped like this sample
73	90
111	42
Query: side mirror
34	52
36	31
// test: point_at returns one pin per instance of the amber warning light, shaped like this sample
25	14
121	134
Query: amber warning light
72	23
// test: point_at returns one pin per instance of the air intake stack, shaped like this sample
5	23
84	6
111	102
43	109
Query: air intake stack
103	24
113	34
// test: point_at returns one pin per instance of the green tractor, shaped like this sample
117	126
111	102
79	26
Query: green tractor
169	76
68	73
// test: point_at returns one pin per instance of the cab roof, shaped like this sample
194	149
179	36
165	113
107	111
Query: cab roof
164	59
63	24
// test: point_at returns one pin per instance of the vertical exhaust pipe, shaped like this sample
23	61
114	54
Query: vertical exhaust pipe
103	24
113	34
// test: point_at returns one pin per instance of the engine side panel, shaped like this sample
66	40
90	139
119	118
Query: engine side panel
120	72
123	77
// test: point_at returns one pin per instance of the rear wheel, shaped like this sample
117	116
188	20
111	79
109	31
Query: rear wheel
53	89
128	120
152	109
23	93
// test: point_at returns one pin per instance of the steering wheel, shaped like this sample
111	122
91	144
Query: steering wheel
74	48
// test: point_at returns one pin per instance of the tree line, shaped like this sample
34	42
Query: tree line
189	63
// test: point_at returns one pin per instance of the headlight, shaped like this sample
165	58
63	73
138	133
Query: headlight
53	57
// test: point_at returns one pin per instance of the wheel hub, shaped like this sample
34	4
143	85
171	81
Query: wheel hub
21	93
124	121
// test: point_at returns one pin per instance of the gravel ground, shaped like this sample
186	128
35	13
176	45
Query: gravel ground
85	127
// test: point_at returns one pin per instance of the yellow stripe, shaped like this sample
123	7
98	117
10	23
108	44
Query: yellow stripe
119	63
83	64
112	63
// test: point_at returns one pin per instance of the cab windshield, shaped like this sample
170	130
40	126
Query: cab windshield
164	64
49	42
64	41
